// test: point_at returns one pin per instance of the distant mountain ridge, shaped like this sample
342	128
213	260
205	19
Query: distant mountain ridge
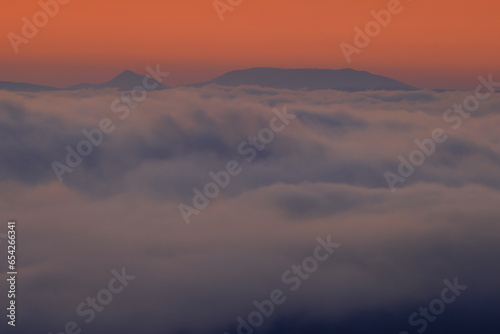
309	79
126	80
24	87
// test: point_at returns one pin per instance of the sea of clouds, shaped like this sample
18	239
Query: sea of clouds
322	175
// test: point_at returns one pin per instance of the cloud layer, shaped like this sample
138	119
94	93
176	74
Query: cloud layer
323	175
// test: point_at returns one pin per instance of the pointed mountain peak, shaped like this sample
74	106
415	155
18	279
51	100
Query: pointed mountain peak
126	80
127	74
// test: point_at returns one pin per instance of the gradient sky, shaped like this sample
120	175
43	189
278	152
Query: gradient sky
430	44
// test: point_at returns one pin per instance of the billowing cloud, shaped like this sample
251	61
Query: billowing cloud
323	174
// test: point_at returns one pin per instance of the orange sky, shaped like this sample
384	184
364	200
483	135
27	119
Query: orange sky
430	44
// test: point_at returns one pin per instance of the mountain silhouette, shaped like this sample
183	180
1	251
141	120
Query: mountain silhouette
24	87
126	80
309	79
